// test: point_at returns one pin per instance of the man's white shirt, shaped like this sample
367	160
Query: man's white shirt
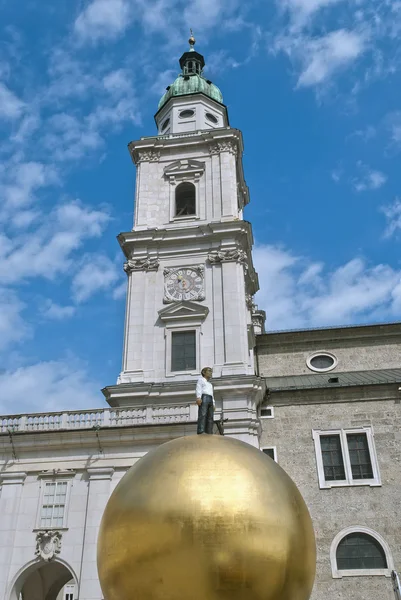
203	386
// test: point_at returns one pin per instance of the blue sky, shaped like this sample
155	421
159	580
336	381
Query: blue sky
313	84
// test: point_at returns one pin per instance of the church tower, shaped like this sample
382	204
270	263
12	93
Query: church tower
191	279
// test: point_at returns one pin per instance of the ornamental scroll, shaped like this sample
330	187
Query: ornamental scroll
224	146
141	264
232	255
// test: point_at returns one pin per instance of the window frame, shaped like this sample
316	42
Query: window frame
193	331
169	349
266	416
192	215
321	353
43	482
339	573
274	448
375	481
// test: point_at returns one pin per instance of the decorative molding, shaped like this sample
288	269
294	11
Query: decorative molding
148	156
56	473
249	301
12	478
141	264
48	544
97	473
224	146
183	312
229	255
184	169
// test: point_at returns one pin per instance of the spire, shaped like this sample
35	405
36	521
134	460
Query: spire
192	42
191	62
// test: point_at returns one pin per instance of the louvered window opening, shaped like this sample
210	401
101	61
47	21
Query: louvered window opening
185	199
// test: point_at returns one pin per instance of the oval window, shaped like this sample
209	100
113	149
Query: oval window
211	118
185	114
321	361
165	124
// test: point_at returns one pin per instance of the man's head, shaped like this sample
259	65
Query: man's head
207	373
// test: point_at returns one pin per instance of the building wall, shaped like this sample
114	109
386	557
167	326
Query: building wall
356	348
332	510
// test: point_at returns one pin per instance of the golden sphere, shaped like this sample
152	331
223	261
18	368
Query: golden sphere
206	517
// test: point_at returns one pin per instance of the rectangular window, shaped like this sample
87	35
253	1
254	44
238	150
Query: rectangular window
183	351
346	457
267	412
53	504
333	463
361	465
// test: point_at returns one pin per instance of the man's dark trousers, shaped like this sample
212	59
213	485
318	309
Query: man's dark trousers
205	415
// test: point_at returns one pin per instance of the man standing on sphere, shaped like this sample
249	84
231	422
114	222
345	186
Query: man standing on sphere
205	402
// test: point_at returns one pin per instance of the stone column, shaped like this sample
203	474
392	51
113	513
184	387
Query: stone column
98	495
10	500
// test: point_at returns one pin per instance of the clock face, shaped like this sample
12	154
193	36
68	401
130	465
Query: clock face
184	284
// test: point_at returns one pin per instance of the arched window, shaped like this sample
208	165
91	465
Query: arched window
360	551
185	199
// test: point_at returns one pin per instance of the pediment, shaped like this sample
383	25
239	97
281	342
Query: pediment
183	167
184	310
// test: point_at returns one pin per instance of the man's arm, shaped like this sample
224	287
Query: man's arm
199	391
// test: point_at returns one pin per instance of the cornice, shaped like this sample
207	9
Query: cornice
151	149
358	335
146	246
336	395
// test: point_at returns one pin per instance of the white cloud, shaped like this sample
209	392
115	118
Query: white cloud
324	56
48	386
98	273
393	216
370	179
296	292
13	328
301	10
55	311
103	19
20	180
49	250
11	107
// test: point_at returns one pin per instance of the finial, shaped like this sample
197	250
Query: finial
192	40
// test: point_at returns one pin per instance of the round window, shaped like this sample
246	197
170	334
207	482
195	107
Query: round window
165	124
322	361
211	118
185	114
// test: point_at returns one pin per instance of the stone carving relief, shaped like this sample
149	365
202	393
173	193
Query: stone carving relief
249	301
229	255
224	146
48	544
141	264
148	156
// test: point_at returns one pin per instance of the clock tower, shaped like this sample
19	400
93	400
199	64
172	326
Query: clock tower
191	279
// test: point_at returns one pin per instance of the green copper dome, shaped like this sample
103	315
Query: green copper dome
191	80
192	84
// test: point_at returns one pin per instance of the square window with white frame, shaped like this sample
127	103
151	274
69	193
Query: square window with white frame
53	504
346	457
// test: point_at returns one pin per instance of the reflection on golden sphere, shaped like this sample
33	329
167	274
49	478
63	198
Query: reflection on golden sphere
206	517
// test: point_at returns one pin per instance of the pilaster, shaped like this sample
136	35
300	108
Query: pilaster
98	495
